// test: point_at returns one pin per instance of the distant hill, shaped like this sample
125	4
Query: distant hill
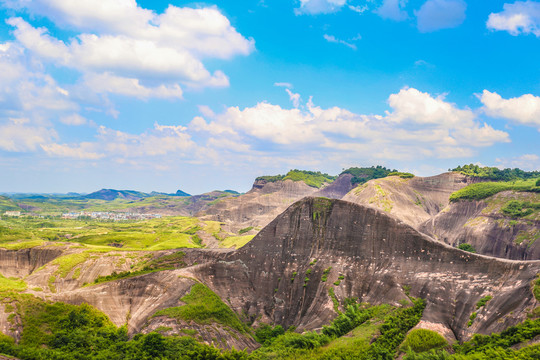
111	194
6	204
181	193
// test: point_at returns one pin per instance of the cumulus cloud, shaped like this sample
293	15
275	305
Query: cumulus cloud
133	46
82	151
529	162
319	6
73	119
18	135
393	10
440	14
523	110
521	17
419	125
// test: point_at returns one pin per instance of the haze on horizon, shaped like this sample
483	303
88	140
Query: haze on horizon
167	95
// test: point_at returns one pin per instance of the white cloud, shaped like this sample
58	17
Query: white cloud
523	110
284	84
333	39
152	55
73	119
108	83
359	9
319	6
161	140
419	125
440	14
83	151
528	162
415	106
521	17
294	97
393	9
18	136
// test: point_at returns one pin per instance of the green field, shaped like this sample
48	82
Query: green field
155	234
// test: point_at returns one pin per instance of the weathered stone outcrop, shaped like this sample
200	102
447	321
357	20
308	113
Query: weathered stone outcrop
259	206
20	263
414	200
483	225
380	259
338	188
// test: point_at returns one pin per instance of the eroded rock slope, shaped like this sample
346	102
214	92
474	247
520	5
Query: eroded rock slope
279	274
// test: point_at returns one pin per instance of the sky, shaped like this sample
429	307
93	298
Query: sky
166	95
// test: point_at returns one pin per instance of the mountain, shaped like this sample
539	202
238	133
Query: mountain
279	277
424	203
111	194
380	260
181	193
268	197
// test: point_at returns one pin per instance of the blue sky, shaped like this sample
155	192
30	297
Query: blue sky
166	95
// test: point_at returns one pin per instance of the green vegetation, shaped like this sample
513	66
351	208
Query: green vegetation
325	274
334	299
362	175
265	333
484	190
467	247
321	207
483	301
494	346
236	241
63	331
167	262
420	340
517	209
11	284
6	204
204	307
312	178
155	234
245	230
363	322
403	175
496	174
471	319
536	288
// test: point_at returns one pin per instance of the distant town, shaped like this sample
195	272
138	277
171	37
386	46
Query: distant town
97	215
105	215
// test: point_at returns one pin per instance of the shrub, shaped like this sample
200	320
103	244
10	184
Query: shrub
467	247
265	333
420	340
326	272
483	301
245	230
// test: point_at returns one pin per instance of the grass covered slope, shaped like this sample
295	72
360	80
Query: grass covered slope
483	190
312	178
203	306
155	234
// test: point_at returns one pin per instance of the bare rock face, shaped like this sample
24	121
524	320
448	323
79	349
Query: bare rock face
259	206
486	228
414	200
20	263
278	275
338	188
